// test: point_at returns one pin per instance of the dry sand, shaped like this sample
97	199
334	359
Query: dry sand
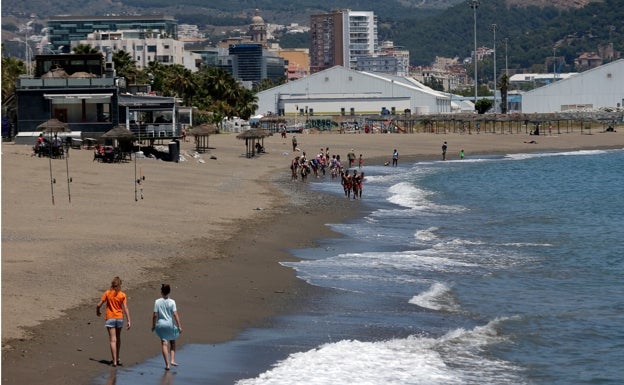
215	230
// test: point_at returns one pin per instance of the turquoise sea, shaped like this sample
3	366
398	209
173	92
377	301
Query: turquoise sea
489	270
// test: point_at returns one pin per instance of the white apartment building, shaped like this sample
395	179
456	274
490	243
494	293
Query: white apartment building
361	36
143	46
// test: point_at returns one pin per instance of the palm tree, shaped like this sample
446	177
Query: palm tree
12	68
504	86
125	65
85	49
180	80
247	104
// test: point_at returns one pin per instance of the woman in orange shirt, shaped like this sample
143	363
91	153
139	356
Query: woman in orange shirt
116	307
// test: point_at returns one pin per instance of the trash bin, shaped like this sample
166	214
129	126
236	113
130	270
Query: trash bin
174	151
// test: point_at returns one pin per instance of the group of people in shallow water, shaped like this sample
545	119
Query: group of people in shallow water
319	165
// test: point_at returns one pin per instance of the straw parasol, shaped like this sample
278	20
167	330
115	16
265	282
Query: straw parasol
202	133
55	73
53	125
253	136
82	74
119	132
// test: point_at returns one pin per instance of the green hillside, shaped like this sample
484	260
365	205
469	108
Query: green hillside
533	32
427	28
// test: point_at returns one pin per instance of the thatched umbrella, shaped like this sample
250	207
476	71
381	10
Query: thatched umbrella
202	134
119	132
53	126
55	73
123	136
82	74
253	136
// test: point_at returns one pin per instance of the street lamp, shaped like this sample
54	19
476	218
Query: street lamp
28	53
554	64
494	28
506	67
474	4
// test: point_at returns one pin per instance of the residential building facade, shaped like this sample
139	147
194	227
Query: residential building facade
342	37
62	30
143	46
327	43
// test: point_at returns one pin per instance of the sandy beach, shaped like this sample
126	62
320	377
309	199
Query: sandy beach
215	229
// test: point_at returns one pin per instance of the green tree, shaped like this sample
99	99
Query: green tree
125	66
483	105
503	85
247	104
170	80
85	49
12	68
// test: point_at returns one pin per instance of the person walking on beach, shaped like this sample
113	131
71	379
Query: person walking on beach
116	307
395	158
166	324
461	154
294	143
444	147
351	158
360	161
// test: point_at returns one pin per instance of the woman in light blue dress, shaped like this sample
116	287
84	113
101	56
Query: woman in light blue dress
166	324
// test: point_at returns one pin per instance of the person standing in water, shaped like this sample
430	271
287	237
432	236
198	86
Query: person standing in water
444	147
166	325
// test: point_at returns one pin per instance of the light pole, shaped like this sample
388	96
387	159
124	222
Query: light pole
494	28
474	4
28	49
28	53
554	64
506	67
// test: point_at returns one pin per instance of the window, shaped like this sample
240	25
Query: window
151	48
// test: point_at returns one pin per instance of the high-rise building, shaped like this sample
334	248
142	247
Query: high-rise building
340	37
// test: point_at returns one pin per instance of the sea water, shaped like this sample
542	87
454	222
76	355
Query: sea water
487	270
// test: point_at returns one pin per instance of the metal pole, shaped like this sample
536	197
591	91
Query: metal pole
554	63
136	181
506	67
474	4
52	181
67	167
494	28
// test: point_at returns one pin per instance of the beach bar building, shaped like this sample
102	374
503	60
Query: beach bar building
75	89
79	90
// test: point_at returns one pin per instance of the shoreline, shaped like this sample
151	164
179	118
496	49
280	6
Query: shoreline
218	279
